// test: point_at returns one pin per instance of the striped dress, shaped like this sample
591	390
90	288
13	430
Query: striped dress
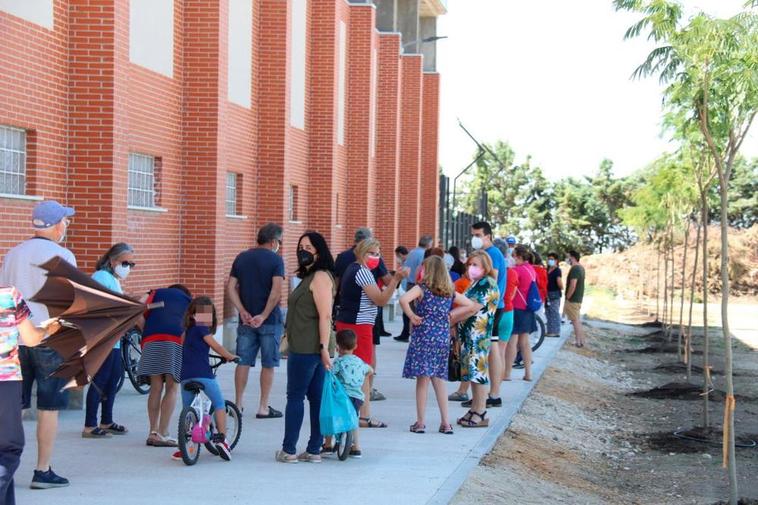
162	335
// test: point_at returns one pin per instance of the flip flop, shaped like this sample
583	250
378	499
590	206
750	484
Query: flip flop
116	429
272	414
372	423
96	432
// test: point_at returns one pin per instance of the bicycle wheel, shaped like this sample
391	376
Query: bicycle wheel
343	443
190	450
131	353
537	337
233	427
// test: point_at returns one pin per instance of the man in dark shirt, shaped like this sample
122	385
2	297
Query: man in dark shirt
574	296
255	288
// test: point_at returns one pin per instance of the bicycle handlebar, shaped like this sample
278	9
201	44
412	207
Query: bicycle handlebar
221	360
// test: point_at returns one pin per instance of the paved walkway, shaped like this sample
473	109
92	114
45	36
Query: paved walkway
398	467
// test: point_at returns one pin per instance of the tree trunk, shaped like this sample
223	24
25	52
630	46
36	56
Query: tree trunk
681	301
672	270
706	338
666	291
688	339
658	284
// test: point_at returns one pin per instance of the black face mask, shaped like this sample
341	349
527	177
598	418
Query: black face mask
305	258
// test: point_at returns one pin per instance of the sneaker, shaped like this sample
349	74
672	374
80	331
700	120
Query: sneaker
329	451
284	457
177	456
355	453
377	396
519	365
47	480
458	397
307	457
222	446
494	402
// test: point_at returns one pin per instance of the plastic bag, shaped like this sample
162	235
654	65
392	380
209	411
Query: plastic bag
337	412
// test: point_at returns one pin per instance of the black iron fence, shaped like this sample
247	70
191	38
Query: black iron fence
455	227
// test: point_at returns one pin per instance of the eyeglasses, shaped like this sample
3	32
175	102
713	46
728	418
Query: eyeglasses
127	264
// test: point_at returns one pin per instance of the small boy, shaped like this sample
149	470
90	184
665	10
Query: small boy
351	371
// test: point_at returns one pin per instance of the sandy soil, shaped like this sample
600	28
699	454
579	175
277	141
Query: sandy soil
583	437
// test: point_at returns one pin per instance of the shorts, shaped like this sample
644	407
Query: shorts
506	326
357	404
524	321
266	339
495	337
37	363
572	310
211	390
365	342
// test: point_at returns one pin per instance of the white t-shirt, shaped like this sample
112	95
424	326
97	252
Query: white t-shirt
20	269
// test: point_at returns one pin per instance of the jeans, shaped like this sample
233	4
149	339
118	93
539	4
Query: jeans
106	380
11	438
211	390
553	312
305	377
37	365
265	339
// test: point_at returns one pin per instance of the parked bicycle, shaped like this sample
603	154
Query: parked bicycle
131	353
197	425
536	338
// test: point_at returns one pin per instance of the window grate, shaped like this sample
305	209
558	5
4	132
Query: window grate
231	194
141	192
12	160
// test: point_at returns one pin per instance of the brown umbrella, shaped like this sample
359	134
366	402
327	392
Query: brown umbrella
93	318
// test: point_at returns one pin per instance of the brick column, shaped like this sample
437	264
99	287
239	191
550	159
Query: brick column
429	221
411	92
387	140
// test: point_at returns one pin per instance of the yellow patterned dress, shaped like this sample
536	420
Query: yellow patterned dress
475	331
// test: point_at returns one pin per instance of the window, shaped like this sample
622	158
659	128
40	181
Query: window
12	160
142	189
233	207
293	201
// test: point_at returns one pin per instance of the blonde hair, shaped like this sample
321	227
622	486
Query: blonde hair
363	247
486	262
436	277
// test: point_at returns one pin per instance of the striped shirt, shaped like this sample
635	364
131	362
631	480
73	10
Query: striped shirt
355	306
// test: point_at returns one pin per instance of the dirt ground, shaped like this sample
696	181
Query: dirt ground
587	436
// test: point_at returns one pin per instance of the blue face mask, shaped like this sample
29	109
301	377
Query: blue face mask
551	263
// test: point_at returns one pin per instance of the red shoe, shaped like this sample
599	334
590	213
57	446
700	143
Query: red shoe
177	456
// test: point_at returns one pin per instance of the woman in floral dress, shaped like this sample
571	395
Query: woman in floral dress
427	356
474	333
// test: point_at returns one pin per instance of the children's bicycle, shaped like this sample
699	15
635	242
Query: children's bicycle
343	442
197	425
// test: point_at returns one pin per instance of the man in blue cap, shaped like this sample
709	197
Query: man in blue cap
20	268
511	241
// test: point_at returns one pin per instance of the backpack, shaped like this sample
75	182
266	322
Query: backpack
533	300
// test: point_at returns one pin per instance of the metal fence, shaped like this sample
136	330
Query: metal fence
455	227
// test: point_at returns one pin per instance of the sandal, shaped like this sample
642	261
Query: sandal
466	417
327	450
116	429
96	432
446	429
155	439
371	423
418	428
470	423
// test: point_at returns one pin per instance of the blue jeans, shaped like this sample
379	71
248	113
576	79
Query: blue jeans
266	339
37	365
11	438
211	390
106	379
305	377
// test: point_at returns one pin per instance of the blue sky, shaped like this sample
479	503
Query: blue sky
552	78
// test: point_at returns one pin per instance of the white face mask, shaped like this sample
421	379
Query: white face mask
477	242
122	271
63	235
278	245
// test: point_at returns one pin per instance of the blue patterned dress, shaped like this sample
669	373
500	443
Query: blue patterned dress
430	341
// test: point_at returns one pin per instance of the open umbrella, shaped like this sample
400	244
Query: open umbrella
93	318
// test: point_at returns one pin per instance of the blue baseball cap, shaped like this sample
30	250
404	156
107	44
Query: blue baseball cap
511	240
49	213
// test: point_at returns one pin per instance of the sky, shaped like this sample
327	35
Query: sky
552	78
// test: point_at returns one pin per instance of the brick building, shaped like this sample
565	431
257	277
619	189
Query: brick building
181	126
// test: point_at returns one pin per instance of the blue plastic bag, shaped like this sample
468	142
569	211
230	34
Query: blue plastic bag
337	412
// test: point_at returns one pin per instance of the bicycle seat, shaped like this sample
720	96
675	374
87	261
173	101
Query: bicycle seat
194	387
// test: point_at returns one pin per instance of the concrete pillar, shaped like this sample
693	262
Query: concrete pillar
428	29
408	24
386	15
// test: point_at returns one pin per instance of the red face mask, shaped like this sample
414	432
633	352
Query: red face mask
372	262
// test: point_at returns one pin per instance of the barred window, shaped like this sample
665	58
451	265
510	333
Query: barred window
12	160
293	201
142	190
232	186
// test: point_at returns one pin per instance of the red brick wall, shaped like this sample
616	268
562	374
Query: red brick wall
411	92
429	190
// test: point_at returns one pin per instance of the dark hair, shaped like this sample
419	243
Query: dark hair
553	255
458	266
116	250
200	301
324	261
182	288
574	254
522	252
362	234
269	232
536	258
401	249
484	226
434	251
347	340
425	241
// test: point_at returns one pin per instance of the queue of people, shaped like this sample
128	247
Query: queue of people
465	319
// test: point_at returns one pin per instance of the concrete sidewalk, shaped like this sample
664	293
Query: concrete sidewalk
398	467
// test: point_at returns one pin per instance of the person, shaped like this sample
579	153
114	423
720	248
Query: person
112	267
524	320
427	357
449	262
200	323
458	266
352	372
50	221
461	285
412	263
482	239
574	296
15	324
432	251
255	288
506	322
539	268
161	362
512	242
554	291
309	325
359	297
474	332
382	278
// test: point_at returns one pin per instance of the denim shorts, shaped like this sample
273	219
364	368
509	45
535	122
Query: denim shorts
211	389
357	404
266	339
37	363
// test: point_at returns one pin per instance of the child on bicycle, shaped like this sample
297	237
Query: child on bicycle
351	371
200	325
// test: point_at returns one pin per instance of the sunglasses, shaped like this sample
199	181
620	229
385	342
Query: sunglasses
127	264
